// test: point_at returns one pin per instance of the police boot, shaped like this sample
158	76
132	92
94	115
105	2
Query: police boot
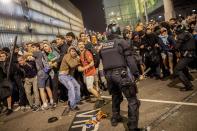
187	88
116	118
174	82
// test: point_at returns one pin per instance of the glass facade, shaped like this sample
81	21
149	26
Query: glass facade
151	5
128	12
35	20
121	11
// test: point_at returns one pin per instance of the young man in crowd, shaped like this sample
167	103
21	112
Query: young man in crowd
89	71
62	46
52	58
70	39
43	69
167	46
68	67
18	94
30	77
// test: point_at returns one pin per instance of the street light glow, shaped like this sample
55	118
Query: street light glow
118	18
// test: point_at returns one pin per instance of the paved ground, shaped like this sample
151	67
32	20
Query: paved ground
160	111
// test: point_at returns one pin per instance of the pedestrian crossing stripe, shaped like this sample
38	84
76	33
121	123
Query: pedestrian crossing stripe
160	101
81	118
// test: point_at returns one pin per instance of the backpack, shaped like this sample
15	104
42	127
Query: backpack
95	54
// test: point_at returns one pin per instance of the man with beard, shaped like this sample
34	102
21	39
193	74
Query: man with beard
70	39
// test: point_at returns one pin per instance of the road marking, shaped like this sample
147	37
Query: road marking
170	112
96	126
87	116
77	122
160	101
77	126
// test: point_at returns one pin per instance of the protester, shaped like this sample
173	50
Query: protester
89	70
68	67
28	68
44	70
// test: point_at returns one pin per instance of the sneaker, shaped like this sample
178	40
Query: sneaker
186	89
61	101
66	111
27	107
141	77
17	109
35	108
23	108
44	107
80	103
52	106
75	109
9	111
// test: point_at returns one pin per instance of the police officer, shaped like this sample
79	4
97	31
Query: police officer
185	44
118	62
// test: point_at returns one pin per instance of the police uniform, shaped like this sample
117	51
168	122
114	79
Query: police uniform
186	46
118	62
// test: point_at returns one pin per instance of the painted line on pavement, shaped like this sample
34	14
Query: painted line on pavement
160	101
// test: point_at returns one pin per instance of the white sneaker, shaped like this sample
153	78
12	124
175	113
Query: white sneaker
23	108
44	107
27	107
17	109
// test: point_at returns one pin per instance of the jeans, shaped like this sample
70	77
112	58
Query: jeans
73	89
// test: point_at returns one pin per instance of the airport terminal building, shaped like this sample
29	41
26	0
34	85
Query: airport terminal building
36	20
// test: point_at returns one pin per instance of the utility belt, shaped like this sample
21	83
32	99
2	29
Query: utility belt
117	71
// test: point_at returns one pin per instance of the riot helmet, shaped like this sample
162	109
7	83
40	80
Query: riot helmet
113	29
179	29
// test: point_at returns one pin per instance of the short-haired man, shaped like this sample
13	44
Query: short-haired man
62	46
30	76
43	75
68	66
71	39
89	72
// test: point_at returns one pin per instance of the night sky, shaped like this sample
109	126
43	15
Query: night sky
93	14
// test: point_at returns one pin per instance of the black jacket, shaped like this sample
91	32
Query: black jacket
185	42
117	53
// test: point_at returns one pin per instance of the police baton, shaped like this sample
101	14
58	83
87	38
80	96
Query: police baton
11	57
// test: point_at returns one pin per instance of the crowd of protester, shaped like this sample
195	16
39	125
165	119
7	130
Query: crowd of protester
68	69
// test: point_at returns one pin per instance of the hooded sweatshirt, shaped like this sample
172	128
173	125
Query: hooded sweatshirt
69	64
